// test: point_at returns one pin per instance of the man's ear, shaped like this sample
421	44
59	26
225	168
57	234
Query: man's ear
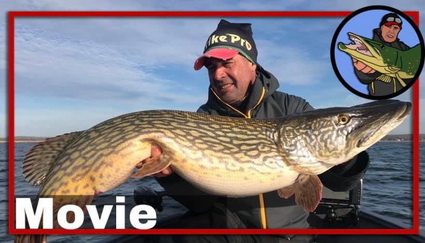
254	67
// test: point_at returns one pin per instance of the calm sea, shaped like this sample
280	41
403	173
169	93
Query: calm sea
387	187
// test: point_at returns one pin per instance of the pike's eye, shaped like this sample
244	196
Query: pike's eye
343	119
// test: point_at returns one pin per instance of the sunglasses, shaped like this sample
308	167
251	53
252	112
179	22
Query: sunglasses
394	19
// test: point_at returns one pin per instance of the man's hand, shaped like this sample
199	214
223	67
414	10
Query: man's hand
156	152
362	67
163	173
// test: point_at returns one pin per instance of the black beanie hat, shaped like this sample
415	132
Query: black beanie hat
228	40
391	19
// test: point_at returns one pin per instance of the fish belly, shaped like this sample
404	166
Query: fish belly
237	180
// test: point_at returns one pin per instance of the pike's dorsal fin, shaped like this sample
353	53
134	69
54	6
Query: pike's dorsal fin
40	158
307	190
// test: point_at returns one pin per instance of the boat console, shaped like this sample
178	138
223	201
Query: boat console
337	209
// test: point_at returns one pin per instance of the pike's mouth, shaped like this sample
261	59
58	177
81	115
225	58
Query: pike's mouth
406	112
358	45
397	120
362	141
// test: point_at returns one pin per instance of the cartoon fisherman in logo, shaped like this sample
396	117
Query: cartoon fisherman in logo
384	63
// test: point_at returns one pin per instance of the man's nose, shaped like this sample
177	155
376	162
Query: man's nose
219	73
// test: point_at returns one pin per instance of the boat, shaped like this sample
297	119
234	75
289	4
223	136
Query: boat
337	210
342	210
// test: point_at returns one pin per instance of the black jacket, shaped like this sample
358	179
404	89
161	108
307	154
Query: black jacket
264	102
378	87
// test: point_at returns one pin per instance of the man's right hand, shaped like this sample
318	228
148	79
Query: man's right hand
163	173
362	67
156	152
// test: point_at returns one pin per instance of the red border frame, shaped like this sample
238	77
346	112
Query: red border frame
11	68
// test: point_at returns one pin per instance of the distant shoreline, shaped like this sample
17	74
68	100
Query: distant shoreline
25	141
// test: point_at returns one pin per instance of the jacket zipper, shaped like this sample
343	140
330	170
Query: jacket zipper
248	115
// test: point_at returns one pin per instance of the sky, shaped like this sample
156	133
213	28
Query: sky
72	73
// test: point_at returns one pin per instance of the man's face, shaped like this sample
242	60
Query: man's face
390	33
231	78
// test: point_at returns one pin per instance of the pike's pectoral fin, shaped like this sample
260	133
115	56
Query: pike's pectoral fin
307	190
153	164
286	192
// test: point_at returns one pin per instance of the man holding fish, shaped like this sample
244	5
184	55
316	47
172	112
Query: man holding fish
240	87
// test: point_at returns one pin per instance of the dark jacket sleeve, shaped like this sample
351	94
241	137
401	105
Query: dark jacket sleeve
185	193
366	78
345	176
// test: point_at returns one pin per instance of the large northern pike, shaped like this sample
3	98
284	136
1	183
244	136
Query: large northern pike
391	62
233	157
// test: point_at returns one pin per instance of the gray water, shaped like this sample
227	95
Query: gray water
387	188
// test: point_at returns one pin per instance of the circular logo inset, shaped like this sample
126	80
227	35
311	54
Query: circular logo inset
377	52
